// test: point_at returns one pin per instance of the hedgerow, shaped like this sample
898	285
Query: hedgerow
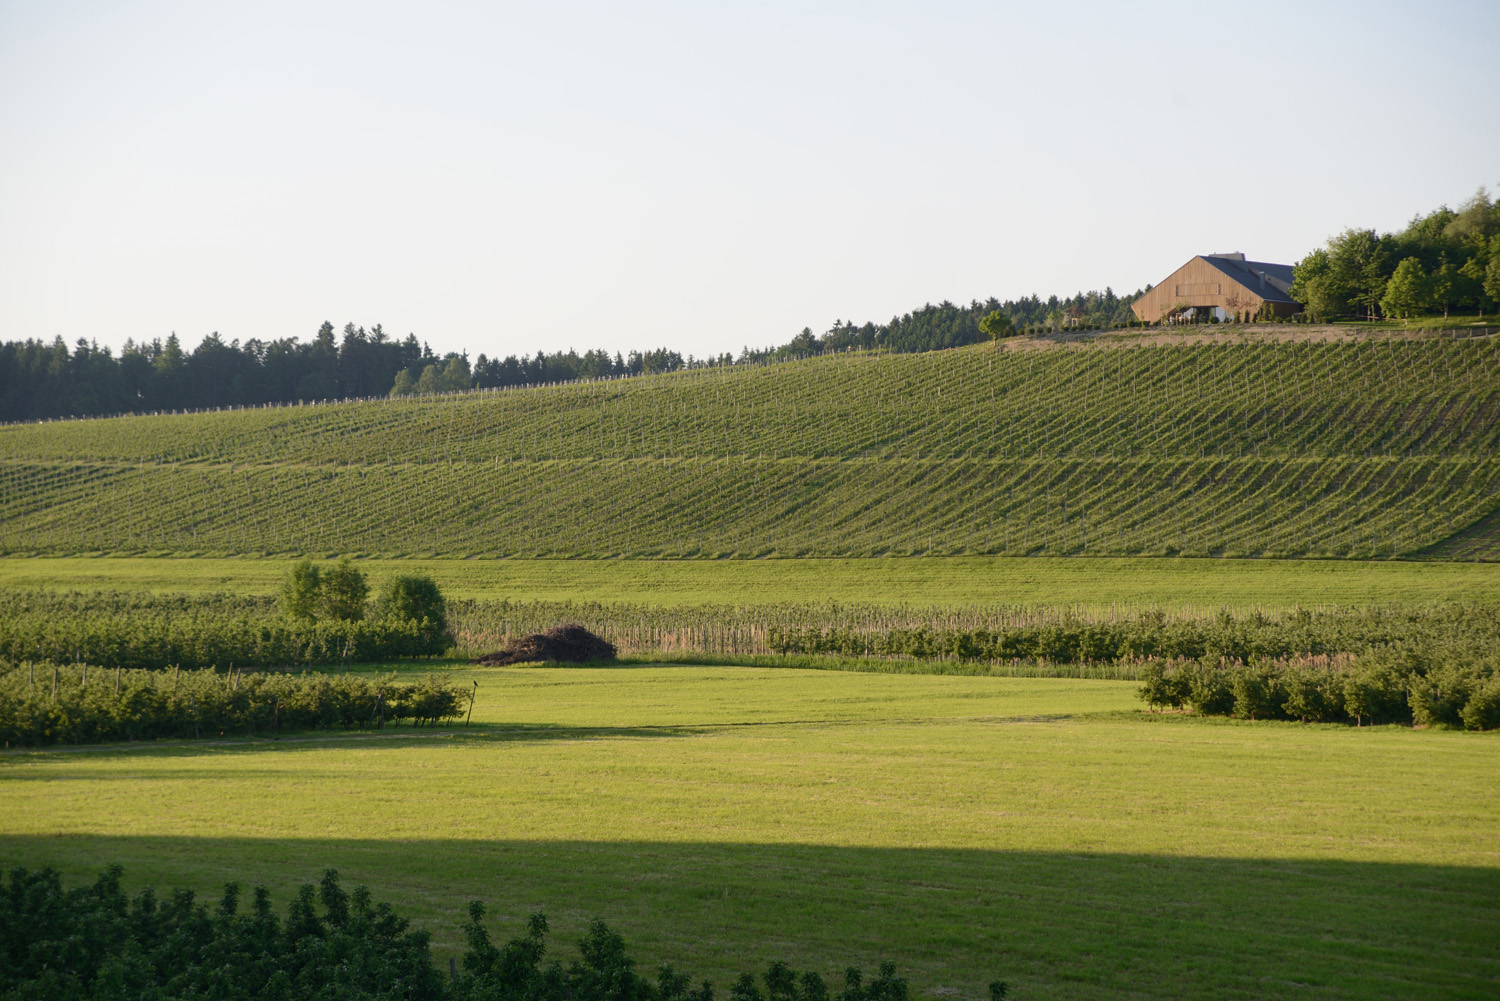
153	631
46	703
981	632
97	943
1451	688
150	631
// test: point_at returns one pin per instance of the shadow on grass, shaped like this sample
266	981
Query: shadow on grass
1054	925
391	736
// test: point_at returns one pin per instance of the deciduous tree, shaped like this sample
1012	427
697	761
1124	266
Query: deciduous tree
1407	291
299	594
342	592
996	325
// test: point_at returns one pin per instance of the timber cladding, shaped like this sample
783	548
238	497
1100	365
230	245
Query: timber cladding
1239	287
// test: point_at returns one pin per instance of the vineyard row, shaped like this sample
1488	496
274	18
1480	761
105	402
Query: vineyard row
1337	507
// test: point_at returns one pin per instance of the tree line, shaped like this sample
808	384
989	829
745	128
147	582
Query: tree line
95	942
1442	262
948	325
1445	261
40	380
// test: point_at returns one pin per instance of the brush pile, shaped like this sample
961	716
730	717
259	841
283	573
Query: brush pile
568	644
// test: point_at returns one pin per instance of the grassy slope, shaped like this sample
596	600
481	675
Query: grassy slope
1178	583
1349	449
964	827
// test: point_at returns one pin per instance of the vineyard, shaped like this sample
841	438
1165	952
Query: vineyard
1378	448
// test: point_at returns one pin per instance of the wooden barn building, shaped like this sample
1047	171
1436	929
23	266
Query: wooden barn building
1224	285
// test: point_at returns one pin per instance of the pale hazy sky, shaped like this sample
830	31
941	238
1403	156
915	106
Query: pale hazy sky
512	177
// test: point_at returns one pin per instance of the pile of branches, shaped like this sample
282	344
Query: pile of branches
569	644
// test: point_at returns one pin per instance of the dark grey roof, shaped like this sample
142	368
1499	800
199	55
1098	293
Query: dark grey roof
1277	286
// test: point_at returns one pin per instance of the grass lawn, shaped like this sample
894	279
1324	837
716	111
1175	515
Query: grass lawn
1037	830
1169	583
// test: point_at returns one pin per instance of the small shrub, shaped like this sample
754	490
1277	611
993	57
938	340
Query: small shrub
1438	699
1257	693
1313	695
1209	690
1163	686
1482	710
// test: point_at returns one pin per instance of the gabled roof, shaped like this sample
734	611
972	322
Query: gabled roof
1277	286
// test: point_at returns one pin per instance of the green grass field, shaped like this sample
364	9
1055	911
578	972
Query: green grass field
1370	448
1093	583
1041	831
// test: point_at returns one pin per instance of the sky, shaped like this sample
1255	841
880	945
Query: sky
512	177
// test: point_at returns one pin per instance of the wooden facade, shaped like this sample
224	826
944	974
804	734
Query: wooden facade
1245	290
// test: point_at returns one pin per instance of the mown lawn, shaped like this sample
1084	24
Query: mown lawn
1169	583
1040	831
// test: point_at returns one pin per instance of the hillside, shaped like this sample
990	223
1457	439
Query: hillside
1375	449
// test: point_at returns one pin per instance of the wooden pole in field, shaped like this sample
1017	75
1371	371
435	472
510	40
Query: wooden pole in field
471	703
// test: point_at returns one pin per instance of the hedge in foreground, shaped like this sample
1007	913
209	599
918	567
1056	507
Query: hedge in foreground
93	942
44	704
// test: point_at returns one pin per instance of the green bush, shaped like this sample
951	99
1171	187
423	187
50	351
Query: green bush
1313	695
1482	710
1210	689
1439	697
1258	693
1376	693
1164	684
